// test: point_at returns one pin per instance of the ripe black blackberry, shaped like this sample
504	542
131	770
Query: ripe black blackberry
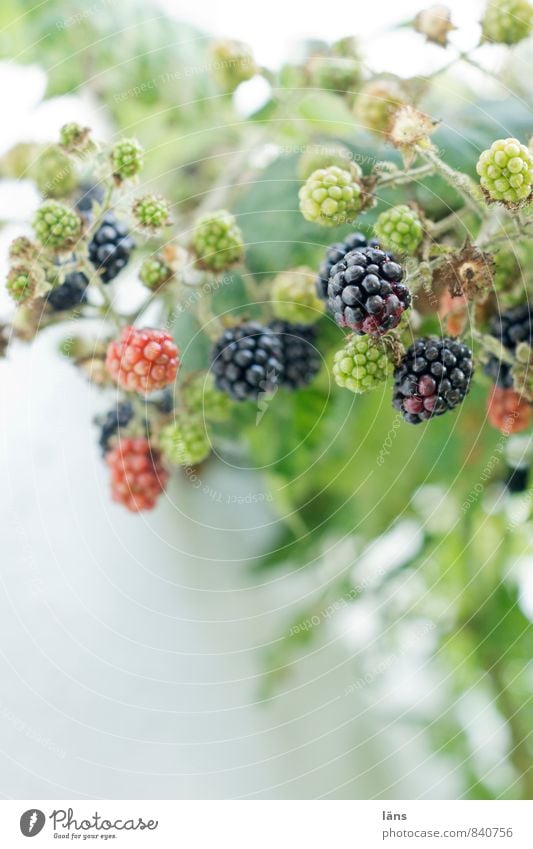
334	254
301	360
365	292
71	293
509	328
88	195
433	377
111	422
247	361
110	248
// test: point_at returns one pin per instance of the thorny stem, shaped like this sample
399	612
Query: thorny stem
460	182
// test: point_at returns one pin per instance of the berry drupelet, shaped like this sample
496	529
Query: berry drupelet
365	292
71	293
510	328
334	254
247	361
433	377
301	359
110	248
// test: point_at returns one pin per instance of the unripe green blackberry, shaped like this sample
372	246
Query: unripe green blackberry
377	102
202	398
75	139
507	21
53	173
331	196
151	212
294	296
233	63
20	284
185	442
217	240
127	157
334	73
23	248
56	225
362	364
321	156
154	272
399	229
506	171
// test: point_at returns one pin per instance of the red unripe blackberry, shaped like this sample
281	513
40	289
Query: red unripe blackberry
365	292
433	377
508	411
137	476
143	360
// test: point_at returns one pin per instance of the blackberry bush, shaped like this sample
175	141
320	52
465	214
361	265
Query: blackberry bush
341	468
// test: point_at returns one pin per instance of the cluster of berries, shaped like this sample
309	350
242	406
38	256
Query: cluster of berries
365	292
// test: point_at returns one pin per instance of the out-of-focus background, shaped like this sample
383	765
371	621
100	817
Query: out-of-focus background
161	655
